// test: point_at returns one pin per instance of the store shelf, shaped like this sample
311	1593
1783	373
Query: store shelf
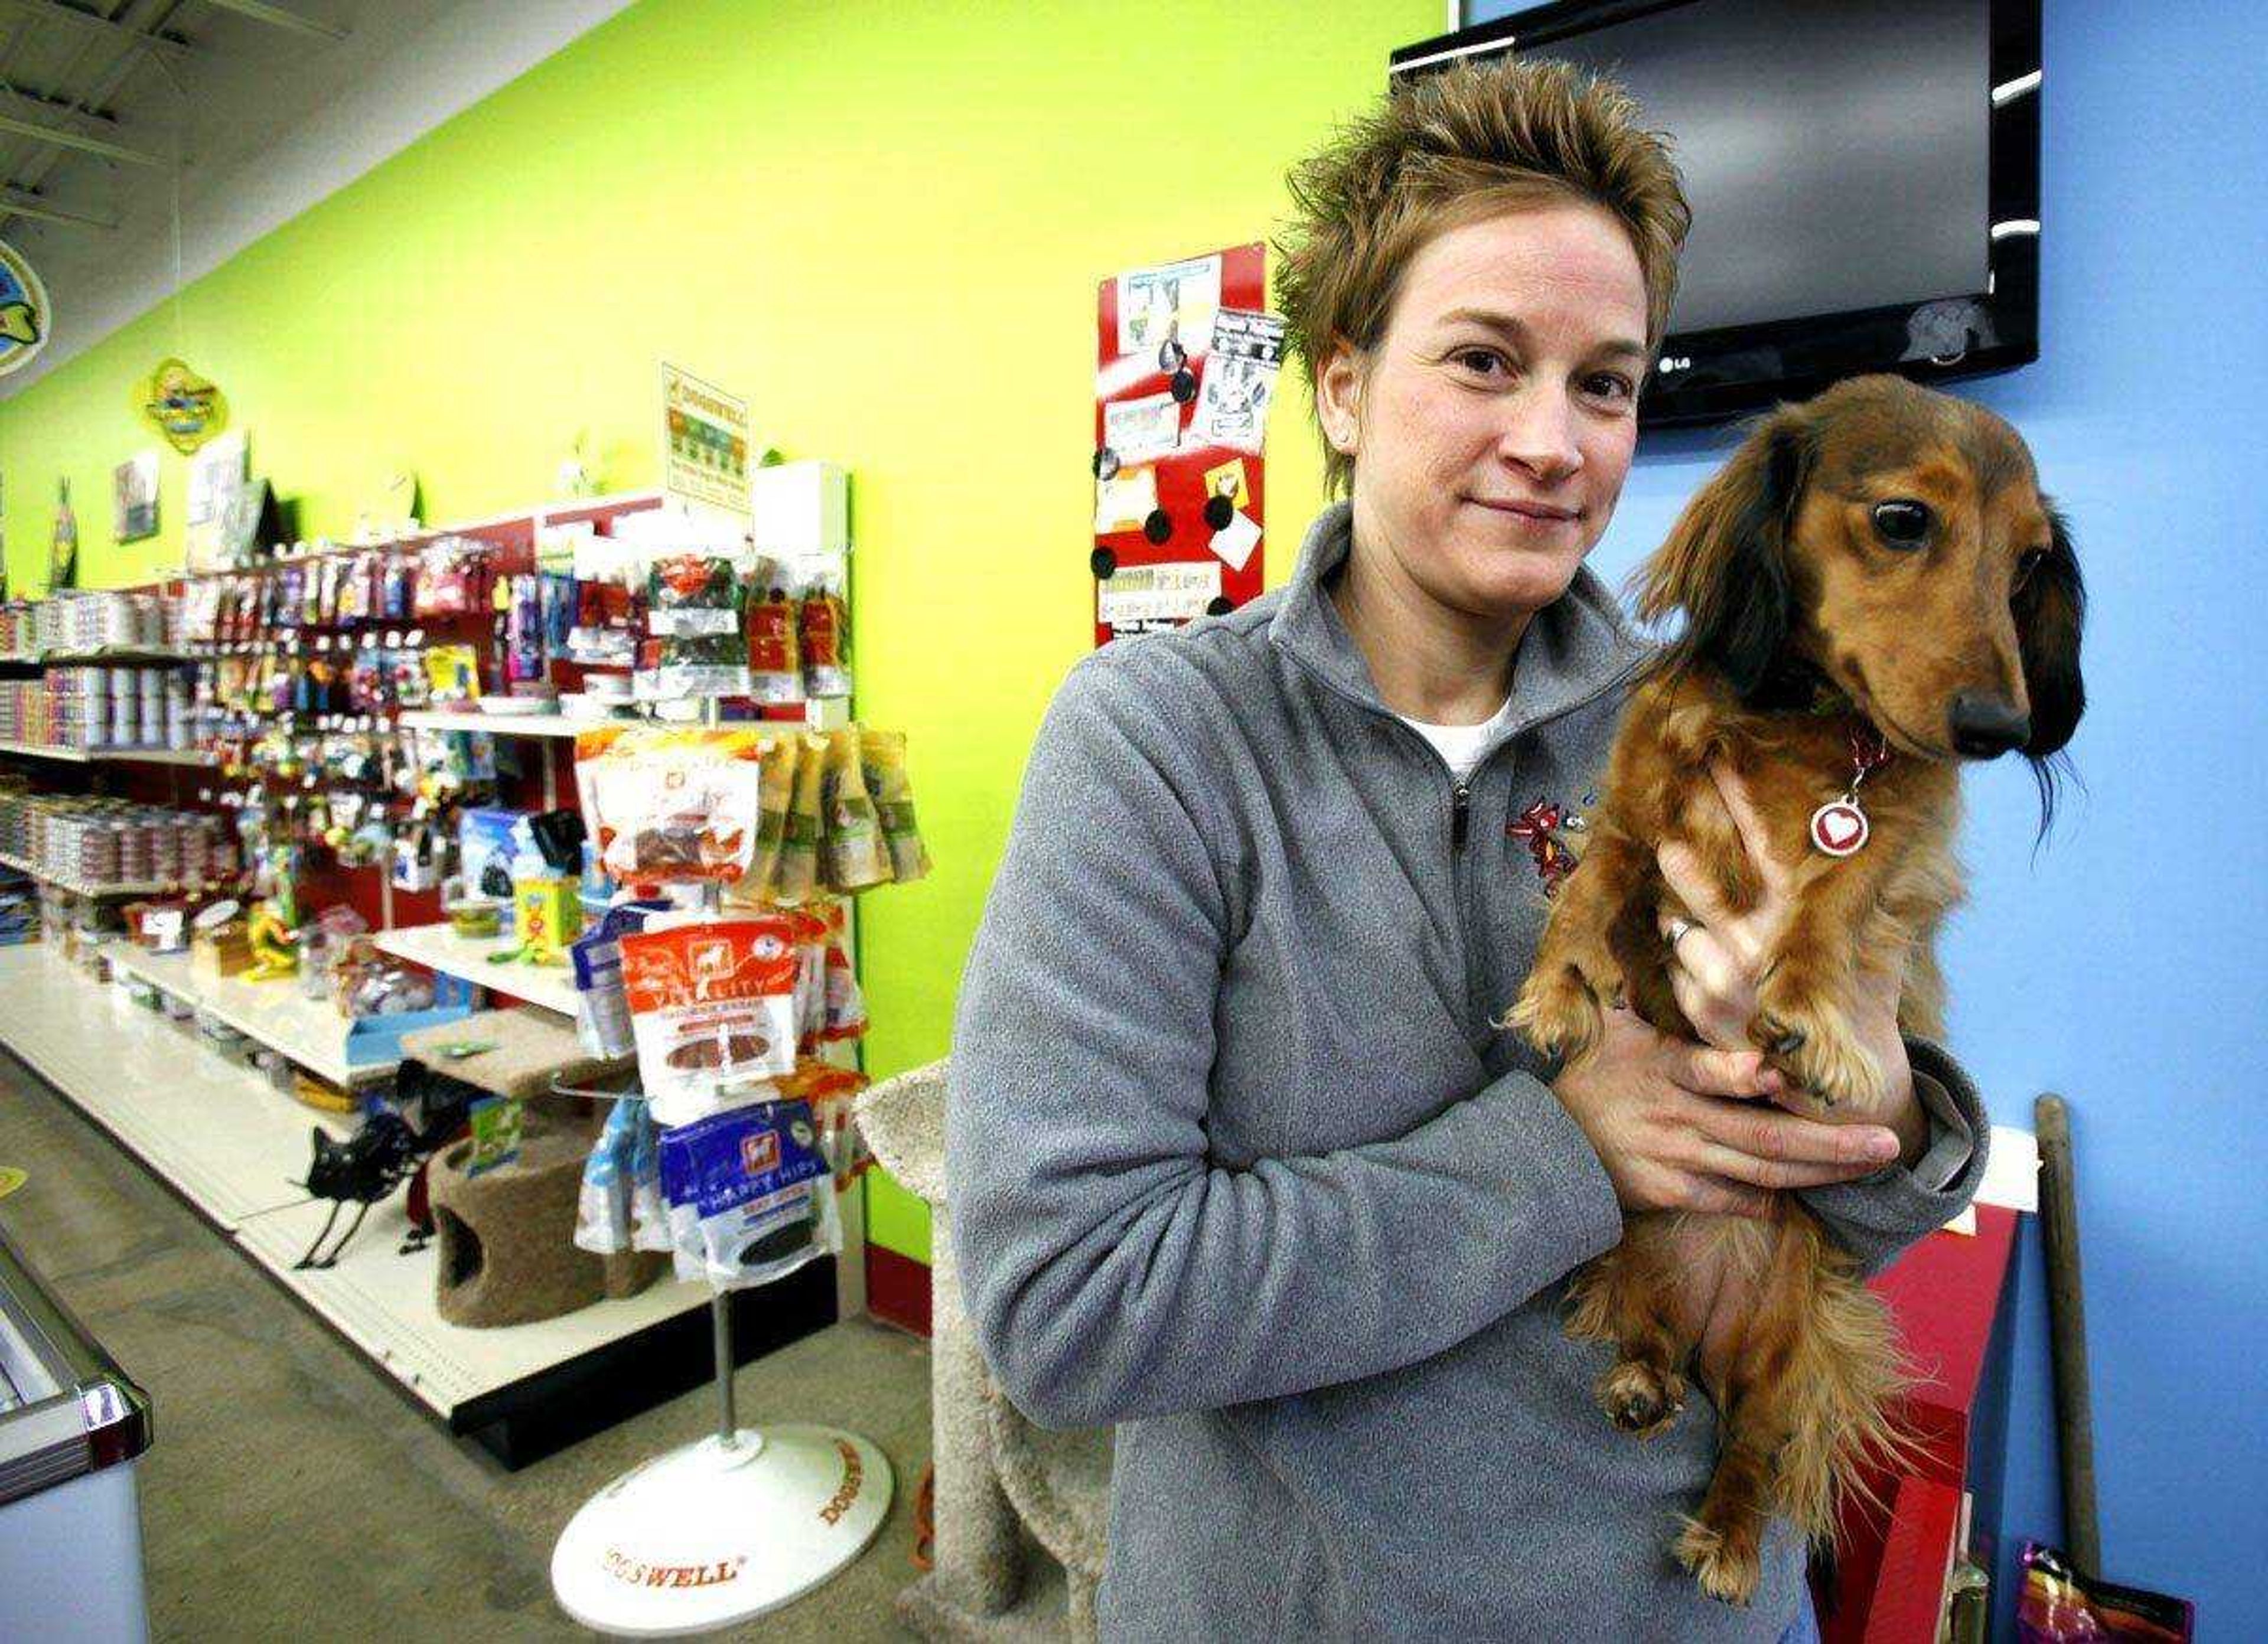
156	756
308	1031
118	653
499	724
45	751
439	948
125	887
228	1140
383	1302
231	1145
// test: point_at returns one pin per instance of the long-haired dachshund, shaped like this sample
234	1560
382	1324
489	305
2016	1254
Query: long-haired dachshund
1874	589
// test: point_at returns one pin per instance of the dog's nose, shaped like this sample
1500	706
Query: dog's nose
1985	726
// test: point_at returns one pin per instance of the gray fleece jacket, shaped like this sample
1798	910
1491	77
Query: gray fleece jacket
1238	1163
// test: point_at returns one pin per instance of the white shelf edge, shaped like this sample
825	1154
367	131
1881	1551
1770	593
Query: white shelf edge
47	751
438	947
160	972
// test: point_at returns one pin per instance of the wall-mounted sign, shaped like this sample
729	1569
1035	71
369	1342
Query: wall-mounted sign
182	405
25	316
704	443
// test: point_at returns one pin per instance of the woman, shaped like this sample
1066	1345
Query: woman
1239	1160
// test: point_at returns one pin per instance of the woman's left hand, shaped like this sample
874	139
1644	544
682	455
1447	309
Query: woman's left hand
1714	968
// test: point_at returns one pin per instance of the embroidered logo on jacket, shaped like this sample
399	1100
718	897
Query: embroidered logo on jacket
1553	832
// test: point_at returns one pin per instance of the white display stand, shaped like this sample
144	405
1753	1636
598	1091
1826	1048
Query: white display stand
720	1530
730	1527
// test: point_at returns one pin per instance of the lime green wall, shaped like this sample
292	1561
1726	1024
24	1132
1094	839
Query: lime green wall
882	222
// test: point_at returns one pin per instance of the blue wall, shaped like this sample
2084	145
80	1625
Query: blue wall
2127	967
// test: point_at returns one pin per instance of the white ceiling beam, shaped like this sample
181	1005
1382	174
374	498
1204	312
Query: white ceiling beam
64	137
55	12
261	12
17	203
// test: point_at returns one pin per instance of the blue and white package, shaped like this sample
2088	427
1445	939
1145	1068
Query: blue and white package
649	1212
603	1211
750	1198
602	1014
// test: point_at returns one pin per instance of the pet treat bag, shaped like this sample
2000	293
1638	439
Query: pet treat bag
693	613
751	1197
671	804
854	856
775	660
882	755
602	1210
602	1009
798	879
712	1009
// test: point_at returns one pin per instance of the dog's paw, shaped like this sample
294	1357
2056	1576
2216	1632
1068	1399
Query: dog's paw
1727	1563
1817	1051
1557	1012
1639	1399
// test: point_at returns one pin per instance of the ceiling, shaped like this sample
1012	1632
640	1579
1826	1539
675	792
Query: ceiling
255	108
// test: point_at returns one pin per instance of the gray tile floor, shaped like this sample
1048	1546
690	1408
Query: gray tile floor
292	1495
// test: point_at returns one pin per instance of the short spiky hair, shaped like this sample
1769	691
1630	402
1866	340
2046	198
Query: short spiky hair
1452	148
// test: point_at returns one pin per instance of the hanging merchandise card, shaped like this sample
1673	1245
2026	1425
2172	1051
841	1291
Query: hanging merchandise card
1235	541
1125	500
1240	381
1143	597
1176	301
704	443
1136	430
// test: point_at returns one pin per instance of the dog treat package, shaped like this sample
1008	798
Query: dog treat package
669	804
810	978
602	1009
798	879
830	1091
751	1196
775	660
603	1211
855	854
712	1009
883	756
821	629
649	1212
696	646
775	793
845	1004
2057	1604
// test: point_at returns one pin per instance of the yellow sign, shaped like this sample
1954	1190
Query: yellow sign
25	317
11	1179
182	405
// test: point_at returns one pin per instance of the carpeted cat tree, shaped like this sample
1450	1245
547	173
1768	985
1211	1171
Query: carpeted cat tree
1003	1485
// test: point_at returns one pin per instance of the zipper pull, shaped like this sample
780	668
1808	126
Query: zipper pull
1461	810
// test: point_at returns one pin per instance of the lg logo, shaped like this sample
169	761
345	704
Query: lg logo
1676	363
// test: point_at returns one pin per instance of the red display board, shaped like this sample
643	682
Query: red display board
1185	366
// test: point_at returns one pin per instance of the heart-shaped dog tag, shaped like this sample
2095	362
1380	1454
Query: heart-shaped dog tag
1838	828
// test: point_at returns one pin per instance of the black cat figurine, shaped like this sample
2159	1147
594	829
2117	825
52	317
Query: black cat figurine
426	1111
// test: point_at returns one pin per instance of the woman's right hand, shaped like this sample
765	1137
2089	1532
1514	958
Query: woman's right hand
1681	1127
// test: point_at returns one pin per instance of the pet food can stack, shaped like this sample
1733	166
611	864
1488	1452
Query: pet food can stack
177	712
167	834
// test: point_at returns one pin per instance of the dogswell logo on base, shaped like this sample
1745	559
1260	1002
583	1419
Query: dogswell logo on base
854	1480
25	317
637	1572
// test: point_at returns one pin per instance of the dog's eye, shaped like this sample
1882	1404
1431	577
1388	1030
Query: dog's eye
1902	522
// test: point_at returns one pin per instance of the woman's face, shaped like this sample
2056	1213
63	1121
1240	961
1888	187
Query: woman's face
1493	424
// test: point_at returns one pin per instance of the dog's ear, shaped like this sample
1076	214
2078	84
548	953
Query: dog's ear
1725	565
2050	608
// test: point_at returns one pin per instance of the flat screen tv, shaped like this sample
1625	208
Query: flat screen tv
1864	176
